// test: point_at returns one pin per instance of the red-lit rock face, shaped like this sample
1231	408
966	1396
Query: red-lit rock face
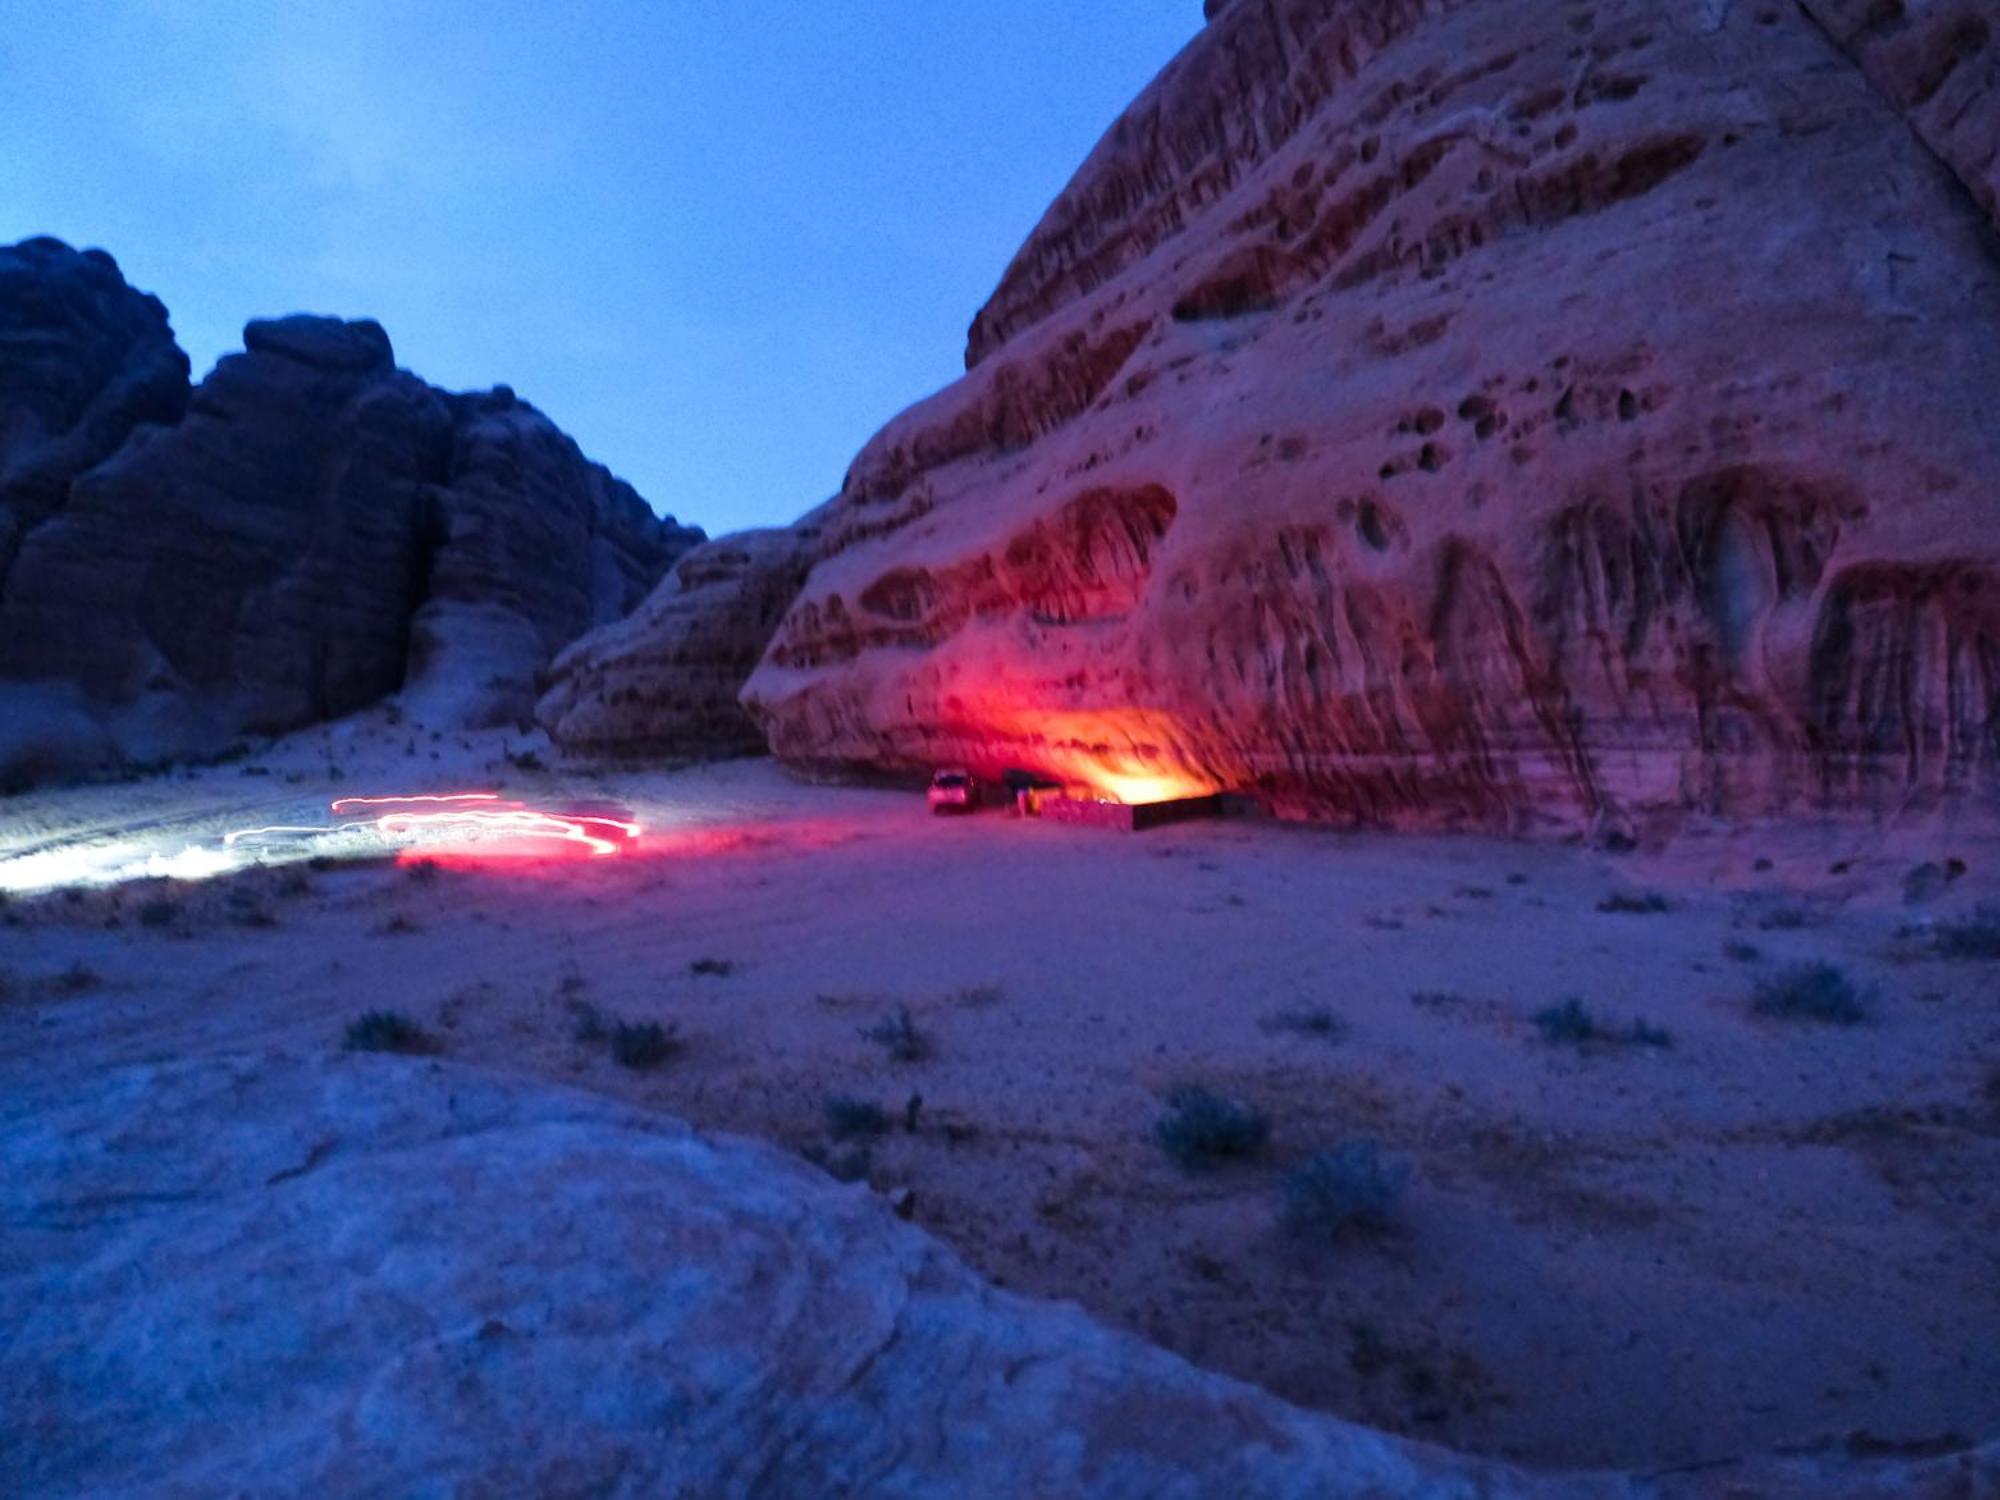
1425	413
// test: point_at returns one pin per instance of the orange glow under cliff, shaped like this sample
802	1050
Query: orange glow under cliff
1133	755
1142	789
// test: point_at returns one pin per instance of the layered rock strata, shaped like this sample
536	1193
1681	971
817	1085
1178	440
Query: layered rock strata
664	681
1434	413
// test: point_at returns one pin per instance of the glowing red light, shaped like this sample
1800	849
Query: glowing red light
471	822
610	835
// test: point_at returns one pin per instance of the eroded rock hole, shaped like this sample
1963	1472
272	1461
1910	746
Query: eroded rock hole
1372	526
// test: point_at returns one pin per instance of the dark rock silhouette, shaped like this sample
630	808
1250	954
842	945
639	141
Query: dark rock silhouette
83	360
310	530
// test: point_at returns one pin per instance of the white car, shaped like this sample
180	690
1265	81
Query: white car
953	790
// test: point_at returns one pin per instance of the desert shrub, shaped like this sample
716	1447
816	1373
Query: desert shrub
1636	902
632	1044
1930	878
897	1035
1570	1023
385	1031
1742	953
1202	1127
1810	992
720	968
1343	1188
1975	936
1784	919
1368	1353
1437	999
641	1044
851	1165
77	978
158	912
847	1117
1314	1021
422	870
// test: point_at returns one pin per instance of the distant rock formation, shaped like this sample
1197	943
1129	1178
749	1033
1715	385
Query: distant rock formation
370	1275
310	530
1435	413
83	360
663	682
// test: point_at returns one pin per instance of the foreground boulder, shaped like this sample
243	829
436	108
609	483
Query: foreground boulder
372	1275
1434	414
317	529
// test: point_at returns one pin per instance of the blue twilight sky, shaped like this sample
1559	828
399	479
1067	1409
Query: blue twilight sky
719	243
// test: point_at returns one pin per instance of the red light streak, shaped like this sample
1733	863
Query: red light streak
522	822
496	822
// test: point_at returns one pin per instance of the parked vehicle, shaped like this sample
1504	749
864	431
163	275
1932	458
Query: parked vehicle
953	790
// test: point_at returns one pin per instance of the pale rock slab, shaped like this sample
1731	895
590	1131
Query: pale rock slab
357	1274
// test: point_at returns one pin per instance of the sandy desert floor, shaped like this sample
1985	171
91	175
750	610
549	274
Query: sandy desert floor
1767	1234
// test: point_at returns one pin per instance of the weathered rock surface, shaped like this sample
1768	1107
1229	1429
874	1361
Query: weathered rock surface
317	531
83	360
664	681
370	1275
1937	61
1438	412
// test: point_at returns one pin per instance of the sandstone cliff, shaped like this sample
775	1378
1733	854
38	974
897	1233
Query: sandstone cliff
1438	412
310	530
664	681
